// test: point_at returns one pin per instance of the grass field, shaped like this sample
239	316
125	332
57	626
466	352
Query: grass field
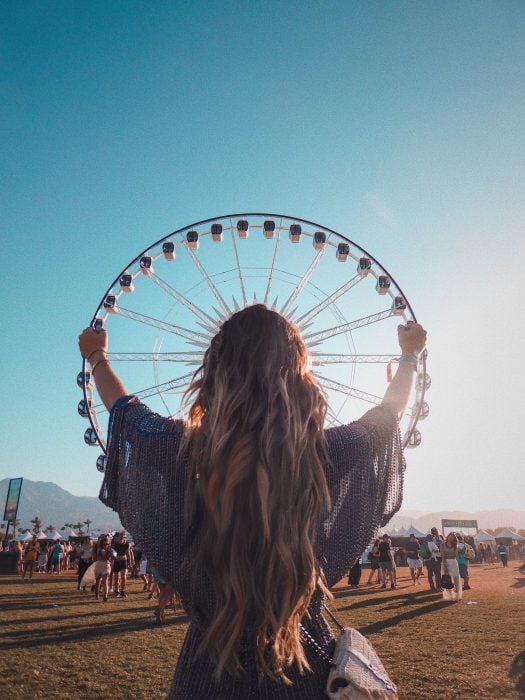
57	642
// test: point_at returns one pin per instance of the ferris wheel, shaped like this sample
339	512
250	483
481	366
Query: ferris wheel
165	306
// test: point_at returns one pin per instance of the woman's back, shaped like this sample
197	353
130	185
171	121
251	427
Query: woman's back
251	509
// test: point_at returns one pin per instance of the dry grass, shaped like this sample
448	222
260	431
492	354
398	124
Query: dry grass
59	643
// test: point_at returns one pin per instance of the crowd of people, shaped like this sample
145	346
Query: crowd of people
113	560
446	560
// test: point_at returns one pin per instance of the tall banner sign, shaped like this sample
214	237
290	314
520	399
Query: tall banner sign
13	497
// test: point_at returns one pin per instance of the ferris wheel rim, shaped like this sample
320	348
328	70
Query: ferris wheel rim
271	215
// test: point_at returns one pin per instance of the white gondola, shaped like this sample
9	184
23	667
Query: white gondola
110	304
425	410
168	250
415	439
363	266
295	233
90	437
424	381
98	324
319	240
243	228
269	228
101	463
146	265
399	306
216	233
84	408
342	252
83	378
382	284
126	283
192	238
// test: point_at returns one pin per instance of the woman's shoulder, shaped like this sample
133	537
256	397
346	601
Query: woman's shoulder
139	418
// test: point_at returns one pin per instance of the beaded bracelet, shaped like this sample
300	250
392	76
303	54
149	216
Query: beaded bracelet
88	358
409	357
102	359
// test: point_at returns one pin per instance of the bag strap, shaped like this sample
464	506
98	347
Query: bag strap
334	619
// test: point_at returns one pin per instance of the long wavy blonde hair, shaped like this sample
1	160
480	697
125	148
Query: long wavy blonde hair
255	441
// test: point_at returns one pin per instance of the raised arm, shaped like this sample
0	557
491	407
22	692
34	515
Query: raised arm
412	339
93	345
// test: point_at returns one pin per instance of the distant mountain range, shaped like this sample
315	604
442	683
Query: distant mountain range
486	519
56	506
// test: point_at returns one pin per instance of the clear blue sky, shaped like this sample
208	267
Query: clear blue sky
402	123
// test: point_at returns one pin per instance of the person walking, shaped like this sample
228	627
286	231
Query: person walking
122	561
386	561
101	558
449	567
250	508
463	561
433	563
55	558
30	558
373	558
85	558
415	563
502	551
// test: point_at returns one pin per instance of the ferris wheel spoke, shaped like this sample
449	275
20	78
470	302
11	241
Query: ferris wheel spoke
312	339
239	271
173	386
316	310
319	359
192	336
208	321
348	390
192	357
272	268
302	282
331	416
224	306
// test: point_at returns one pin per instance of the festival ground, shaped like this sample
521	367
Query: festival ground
57	642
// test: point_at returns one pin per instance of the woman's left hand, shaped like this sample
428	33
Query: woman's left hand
91	340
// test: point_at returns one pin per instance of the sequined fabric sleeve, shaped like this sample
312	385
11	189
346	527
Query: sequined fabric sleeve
144	480
365	479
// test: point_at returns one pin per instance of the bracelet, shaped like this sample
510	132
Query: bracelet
103	359
88	358
409	357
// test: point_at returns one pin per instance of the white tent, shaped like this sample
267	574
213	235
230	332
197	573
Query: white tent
484	536
41	536
54	535
401	532
414	531
508	534
69	534
25	538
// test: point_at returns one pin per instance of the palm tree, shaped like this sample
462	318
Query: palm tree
78	527
66	525
88	523
37	523
49	528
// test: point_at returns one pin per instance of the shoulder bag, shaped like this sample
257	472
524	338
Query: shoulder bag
356	671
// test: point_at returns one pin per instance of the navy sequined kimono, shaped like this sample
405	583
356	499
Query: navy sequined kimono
145	482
